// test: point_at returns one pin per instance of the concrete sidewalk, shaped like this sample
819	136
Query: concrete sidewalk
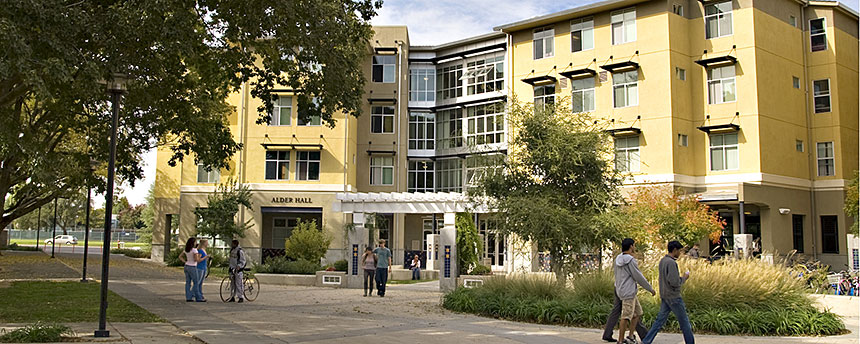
126	333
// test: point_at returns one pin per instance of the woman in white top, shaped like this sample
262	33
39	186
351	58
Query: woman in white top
191	257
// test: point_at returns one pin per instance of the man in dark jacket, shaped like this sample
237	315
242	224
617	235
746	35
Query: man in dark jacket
670	296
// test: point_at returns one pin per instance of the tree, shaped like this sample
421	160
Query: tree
555	185
71	212
147	216
307	242
468	243
183	59
851	202
130	218
218	219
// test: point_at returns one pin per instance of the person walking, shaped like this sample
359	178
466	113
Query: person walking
612	320
191	257
237	264
416	268
627	276
368	263
202	267
670	296
383	267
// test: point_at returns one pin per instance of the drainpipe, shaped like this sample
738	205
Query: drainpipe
399	131
241	117
811	144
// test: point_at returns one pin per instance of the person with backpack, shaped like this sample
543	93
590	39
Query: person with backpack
670	296
368	263
237	265
627	279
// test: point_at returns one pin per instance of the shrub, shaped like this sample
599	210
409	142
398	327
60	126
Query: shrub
468	243
307	242
131	253
219	258
480	269
15	247
341	265
172	258
37	333
283	265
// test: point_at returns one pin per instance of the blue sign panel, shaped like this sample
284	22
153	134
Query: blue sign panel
355	259
447	272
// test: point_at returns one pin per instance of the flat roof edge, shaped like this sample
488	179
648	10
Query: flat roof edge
523	24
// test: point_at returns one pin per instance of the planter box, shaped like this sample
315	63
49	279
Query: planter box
284	279
470	281
406	274
335	279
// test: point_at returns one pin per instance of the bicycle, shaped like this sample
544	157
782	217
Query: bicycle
250	285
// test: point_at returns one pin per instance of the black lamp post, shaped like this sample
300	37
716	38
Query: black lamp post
38	227
54	230
87	228
116	86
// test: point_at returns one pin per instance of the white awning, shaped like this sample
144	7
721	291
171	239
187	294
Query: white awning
405	203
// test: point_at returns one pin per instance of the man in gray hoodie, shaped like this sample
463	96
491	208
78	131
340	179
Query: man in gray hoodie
670	296
627	277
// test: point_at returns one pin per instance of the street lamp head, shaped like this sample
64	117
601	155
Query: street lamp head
117	83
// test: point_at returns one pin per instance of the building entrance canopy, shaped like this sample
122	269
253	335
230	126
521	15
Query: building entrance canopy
405	203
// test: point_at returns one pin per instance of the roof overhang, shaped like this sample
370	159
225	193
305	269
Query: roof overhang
381	152
405	203
624	131
620	66
540	80
391	100
568	14
385	50
719	128
293	146
469	103
717	61
579	73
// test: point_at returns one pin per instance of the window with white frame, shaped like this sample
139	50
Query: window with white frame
382	119
383	68
478	166
718	19
308	165
277	165
623	26
422	85
449	128
795	82
486	75
282	111
312	120
724	152
821	95
422	130
817	34
627	154
721	85
449	175
449	82
625	87
683	140
544	95
382	170
582	34
582	94
826	160
799	146
206	175
678	9
680	73
485	123
792	20
543	42
421	176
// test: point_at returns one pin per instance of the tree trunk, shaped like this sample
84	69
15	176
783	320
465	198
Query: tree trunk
558	266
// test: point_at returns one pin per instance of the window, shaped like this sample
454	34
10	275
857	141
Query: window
542	41
449	128
680	73
544	95
478	166
678	9
798	145
626	88
627	154
307	165
817	35
311	120
422	130
277	165
682	140
795	82
206	175
826	161
422	85
421	176
382	119
721	85
486	75
449	82
282	111
829	234
792	20
383	68
724	152
582	95
624	26
581	34
797	232
382	170
449	175
486	123
718	19
821	95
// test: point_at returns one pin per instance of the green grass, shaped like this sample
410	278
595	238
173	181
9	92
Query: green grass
32	301
94	243
408	281
37	333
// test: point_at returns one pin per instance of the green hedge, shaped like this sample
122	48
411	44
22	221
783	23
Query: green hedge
282	265
15	247
131	253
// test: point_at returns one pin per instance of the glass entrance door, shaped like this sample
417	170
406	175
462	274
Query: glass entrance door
495	245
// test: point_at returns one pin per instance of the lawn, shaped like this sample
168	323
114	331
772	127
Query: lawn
97	243
64	302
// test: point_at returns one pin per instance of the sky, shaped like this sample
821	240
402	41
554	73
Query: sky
430	22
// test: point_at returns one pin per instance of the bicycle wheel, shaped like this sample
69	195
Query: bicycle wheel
226	289
252	287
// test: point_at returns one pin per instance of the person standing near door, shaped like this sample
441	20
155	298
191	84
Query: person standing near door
383	267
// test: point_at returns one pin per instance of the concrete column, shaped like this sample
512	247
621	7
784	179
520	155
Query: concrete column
357	242
448	256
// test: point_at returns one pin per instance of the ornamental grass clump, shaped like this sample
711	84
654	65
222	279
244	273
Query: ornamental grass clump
37	333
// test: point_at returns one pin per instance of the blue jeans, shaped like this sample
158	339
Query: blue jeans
381	280
201	275
416	273
192	279
675	306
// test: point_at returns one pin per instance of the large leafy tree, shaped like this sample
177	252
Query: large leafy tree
852	203
556	184
218	219
183	59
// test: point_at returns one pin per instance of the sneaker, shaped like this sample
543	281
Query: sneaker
189	300
204	300
630	340
241	300
231	300
610	339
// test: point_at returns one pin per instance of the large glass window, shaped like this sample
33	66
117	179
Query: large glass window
721	85
485	75
624	26
277	165
206	175
724	152
581	34
797	232
449	82
486	123
829	234
826	160
307	165
383	68
582	94
817	34
382	170
449	128
449	175
544	95
718	19
282	111
382	119
627	154
477	166
422	85
625	86
422	133
821	95
311	120
543	42
421	176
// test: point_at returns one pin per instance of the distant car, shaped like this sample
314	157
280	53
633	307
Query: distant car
63	239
